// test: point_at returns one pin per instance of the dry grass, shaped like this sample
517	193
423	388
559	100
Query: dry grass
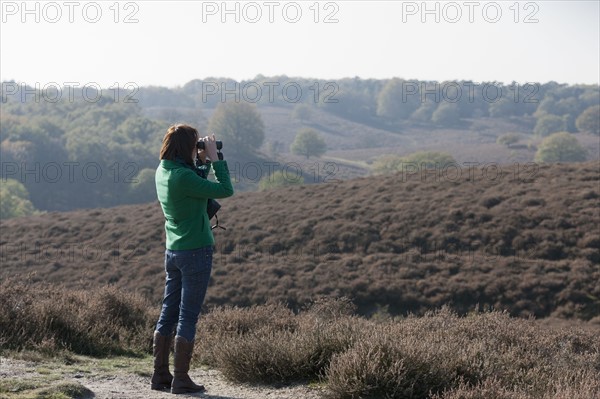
477	356
439	355
270	344
49	319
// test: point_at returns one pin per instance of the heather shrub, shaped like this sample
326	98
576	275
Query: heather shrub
487	355
270	344
438	356
231	323
581	387
406	359
379	366
327	308
488	389
525	241
50	318
264	356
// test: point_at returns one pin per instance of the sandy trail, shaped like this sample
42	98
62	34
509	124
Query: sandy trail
125	384
136	387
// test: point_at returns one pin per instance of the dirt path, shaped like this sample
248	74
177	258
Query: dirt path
137	387
123	381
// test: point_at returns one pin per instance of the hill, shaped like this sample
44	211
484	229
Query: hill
475	139
525	240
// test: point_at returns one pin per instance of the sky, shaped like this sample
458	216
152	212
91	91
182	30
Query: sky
169	43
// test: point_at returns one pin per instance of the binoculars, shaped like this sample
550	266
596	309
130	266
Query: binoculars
219	143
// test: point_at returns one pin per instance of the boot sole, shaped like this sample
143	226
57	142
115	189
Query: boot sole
160	387
187	390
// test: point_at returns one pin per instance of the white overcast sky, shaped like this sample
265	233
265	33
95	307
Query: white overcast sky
173	42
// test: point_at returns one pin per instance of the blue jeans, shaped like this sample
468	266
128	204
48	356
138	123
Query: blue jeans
188	273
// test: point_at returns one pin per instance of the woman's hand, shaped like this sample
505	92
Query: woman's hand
210	148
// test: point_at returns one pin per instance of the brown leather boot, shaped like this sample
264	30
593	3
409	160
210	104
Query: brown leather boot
182	383
161	378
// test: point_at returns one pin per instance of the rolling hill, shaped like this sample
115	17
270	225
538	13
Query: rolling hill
523	239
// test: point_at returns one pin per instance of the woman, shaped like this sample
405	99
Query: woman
183	197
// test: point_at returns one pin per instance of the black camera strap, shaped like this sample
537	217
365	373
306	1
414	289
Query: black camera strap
217	224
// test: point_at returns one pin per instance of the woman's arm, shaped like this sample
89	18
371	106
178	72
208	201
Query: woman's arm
197	187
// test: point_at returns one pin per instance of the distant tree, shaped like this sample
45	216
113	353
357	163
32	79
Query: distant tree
548	124
546	107
301	112
349	105
424	112
505	106
560	147
446	114
239	125
143	188
49	127
141	131
398	99
308	143
569	108
16	151
589	120
14	200
589	97
279	179
508	138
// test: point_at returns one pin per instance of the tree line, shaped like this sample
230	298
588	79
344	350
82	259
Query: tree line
70	153
390	102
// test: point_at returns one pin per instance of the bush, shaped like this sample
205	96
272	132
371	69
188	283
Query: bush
268	344
388	164
492	388
483	356
383	365
279	178
430	159
560	147
508	139
440	355
97	322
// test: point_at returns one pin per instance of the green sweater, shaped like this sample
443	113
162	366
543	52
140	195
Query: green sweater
183	196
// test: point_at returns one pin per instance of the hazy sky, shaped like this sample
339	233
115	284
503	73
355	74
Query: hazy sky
169	43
